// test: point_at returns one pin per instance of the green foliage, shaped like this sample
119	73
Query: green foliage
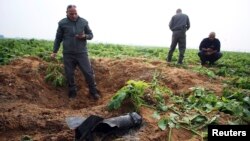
236	102
205	71
14	48
134	90
190	115
171	122
189	110
121	51
156	115
158	92
232	64
162	124
235	64
118	99
54	75
201	99
241	82
26	138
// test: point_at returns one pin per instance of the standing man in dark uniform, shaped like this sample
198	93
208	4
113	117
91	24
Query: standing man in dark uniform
209	50
179	24
74	32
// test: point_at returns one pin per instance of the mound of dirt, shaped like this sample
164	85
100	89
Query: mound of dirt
30	106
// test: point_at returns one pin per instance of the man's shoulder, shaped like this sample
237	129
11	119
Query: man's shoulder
205	40
184	15
217	39
64	20
180	15
82	20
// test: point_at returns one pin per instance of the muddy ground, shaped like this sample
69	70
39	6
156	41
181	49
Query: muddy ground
30	106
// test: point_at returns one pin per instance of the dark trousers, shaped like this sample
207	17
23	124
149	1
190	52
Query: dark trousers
82	61
178	37
209	58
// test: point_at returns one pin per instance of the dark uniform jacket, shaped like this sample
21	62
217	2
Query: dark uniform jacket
66	32
208	43
179	22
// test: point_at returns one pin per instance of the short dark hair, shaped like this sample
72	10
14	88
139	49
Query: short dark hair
178	10
70	6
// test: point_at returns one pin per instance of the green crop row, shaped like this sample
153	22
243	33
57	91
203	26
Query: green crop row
234	65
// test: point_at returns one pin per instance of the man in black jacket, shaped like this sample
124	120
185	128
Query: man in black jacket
209	49
179	24
74	32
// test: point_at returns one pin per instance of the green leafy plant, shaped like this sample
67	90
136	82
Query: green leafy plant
134	91
241	82
205	71
170	122
26	138
237	103
54	75
158	92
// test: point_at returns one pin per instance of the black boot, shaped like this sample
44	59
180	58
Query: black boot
211	63
95	94
169	58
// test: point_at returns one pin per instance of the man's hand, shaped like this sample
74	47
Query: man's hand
53	55
209	49
210	52
204	49
81	36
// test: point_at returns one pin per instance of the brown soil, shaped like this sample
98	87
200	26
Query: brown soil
30	106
